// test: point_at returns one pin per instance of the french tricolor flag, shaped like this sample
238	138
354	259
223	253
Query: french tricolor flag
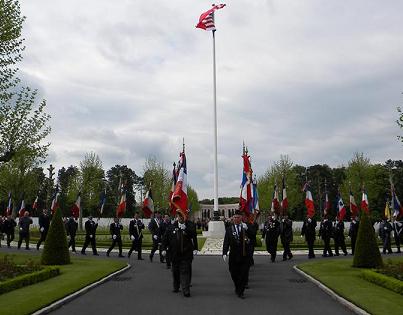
275	205
121	208
246	197
284	202
179	196
148	204
9	205
364	202
341	209
22	208
174	180
75	210
396	205
310	207
55	202
353	206
327	204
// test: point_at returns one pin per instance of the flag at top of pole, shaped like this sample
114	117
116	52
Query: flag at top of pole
206	20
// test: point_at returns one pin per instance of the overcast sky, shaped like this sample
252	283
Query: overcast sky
317	80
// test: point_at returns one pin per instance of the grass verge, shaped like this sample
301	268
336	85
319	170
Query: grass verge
342	278
82	272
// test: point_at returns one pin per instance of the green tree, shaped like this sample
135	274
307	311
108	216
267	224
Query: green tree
193	200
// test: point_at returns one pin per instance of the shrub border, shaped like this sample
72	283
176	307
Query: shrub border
389	283
28	279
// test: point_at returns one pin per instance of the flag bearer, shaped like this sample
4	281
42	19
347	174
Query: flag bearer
325	232
136	235
115	229
44	223
308	230
90	230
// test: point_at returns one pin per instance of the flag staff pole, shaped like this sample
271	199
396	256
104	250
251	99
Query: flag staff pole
215	134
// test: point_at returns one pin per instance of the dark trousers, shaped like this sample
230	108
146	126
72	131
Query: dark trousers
310	242
156	246
181	272
24	235
42	239
72	243
118	240
397	241
287	251
340	243
327	250
89	240
387	245
353	240
239	273
136	246
168	260
10	238
271	246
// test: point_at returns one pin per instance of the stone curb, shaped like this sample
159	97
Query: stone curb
352	307
67	299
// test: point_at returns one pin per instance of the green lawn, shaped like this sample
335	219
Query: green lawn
345	280
80	273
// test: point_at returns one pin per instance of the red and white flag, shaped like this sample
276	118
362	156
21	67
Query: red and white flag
275	204
206	20
179	196
148	204
22	208
353	206
364	202
75	210
55	201
310	207
9	205
246	197
121	208
35	204
341	209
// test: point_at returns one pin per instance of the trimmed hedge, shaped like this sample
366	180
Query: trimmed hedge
367	253
56	251
28	279
383	281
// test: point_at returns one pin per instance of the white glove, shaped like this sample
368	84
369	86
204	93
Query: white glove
90	235
42	229
262	240
244	226
301	236
182	226
155	237
164	253
114	236
195	252
132	237
224	257
20	228
68	237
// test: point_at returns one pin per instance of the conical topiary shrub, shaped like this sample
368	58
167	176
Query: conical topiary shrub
56	251
366	253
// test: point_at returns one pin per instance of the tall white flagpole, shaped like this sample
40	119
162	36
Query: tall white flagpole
215	134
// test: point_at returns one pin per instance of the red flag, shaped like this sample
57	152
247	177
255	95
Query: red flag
148	204
310	207
206	20
22	209
75	210
121	208
364	202
179	196
246	197
35	204
353	206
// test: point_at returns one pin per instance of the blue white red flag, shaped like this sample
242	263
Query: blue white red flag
75	209
148	204
364	201
9	205
353	206
22	208
246	197
55	201
341	208
284	201
310	207
179	196
396	205
275	204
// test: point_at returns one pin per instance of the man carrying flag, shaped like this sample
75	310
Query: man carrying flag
286	234
44	223
309	225
396	224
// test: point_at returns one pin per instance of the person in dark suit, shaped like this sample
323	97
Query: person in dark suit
155	228
326	233
286	236
24	224
8	228
339	238
180	239
115	229
271	232
71	231
308	230
385	230
136	235
165	224
44	223
90	231
237	242
353	232
397	232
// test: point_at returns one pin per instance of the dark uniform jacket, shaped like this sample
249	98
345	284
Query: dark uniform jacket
9	226
71	227
44	221
353	231
90	227
308	229
238	243
286	231
155	228
385	228
326	229
339	231
271	230
24	224
181	243
135	229
115	229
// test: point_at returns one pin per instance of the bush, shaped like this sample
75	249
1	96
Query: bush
28	279
9	269
367	253
56	251
383	281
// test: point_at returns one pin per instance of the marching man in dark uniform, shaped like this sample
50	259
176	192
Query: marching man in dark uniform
286	236
271	232
397	232
2	220
237	241
325	232
71	230
90	230
44	223
115	229
179	238
155	228
353	232
385	230
308	230
339	238
8	228
136	235
165	224
24	224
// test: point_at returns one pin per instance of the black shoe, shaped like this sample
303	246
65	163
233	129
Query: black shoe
284	258
337	254
37	247
140	258
96	254
246	287
27	248
121	255
345	254
168	267
324	255
83	253
151	258
290	257
8	246
107	254
175	290
187	294
241	296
